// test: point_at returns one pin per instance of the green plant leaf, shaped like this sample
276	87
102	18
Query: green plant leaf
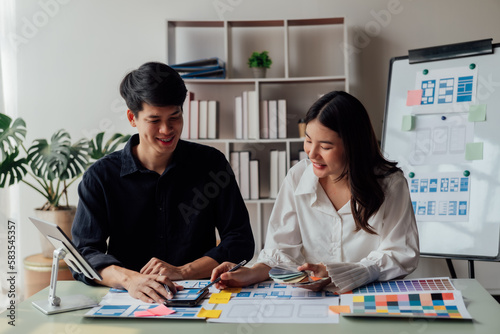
97	150
77	161
12	135
49	161
12	170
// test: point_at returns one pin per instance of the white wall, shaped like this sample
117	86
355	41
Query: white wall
72	55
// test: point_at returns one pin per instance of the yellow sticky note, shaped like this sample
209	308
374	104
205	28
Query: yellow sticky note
214	314
340	309
219	298
474	151
231	290
408	123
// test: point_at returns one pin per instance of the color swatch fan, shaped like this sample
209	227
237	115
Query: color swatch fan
286	275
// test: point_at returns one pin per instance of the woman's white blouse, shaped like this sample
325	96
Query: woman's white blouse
305	227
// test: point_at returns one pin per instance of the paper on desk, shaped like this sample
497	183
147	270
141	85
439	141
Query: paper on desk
121	305
306	311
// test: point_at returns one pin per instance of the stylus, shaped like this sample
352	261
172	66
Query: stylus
217	280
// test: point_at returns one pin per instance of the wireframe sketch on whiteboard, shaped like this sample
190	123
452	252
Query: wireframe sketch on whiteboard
446	90
443	197
440	140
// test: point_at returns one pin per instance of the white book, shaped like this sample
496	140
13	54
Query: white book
203	120
186	107
234	158
244	103
194	116
273	119
253	115
264	120
281	168
273	174
254	179
245	174
212	120
281	118
238	117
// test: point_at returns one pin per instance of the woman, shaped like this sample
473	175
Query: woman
345	213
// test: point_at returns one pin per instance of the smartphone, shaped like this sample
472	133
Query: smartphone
187	297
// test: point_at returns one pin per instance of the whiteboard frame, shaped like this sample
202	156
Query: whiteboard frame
386	135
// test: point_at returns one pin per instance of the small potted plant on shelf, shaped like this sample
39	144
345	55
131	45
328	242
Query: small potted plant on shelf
49	167
259	63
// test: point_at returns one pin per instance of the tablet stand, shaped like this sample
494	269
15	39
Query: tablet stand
55	304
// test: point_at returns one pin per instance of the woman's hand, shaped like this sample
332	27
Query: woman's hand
242	277
319	271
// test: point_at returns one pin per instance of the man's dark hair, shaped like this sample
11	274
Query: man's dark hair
153	83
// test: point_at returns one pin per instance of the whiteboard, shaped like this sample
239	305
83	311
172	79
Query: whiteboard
476	233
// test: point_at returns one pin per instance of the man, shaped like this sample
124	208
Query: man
147	214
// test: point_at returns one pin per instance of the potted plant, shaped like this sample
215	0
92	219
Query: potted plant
49	167
259	63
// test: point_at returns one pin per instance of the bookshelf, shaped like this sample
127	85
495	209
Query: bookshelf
309	58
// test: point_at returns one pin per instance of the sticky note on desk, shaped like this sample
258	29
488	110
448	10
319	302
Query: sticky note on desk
219	298
477	113
340	309
161	310
214	314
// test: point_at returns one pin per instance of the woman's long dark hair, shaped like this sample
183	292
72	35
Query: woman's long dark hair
365	164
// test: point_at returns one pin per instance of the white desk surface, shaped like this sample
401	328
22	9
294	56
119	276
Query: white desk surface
480	304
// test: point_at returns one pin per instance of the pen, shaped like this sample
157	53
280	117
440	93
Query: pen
236	267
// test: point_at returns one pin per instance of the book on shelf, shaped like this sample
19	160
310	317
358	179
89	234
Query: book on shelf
203	120
273	174
277	172
212	120
194	117
207	68
238	117
281	118
186	110
254	179
264	119
253	115
245	174
244	103
273	119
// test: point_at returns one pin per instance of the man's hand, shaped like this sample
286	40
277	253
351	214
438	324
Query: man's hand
157	266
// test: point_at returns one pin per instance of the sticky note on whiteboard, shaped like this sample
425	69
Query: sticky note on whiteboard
408	123
414	97
474	151
477	113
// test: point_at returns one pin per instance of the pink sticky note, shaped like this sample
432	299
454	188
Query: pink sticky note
414	97
143	314
161	310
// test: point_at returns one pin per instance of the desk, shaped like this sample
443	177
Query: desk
482	307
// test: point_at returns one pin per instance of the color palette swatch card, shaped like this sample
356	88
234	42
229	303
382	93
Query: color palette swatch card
408	285
435	304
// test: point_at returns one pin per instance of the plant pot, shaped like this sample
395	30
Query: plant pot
259	72
62	218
